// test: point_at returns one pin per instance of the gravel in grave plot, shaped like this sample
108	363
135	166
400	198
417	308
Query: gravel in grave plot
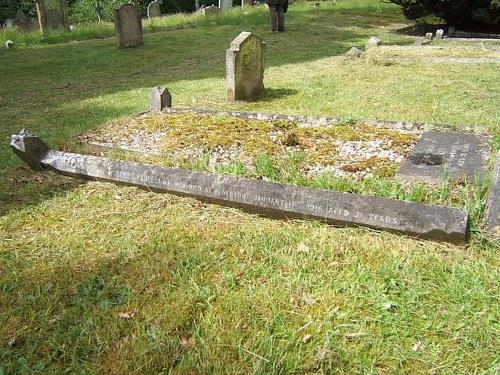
354	150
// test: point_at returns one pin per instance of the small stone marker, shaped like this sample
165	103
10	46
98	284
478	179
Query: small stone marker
52	15
419	41
225	4
159	98
445	154
439	34
154	9
245	67
428	36
493	204
128	26
265	198
373	42
354	53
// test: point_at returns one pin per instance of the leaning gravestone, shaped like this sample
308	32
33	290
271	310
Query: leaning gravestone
154	9
225	4
373	42
493	204
52	15
440	155
159	98
266	198
128	26
245	67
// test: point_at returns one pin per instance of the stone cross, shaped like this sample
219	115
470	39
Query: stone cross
245	67
154	9
128	26
257	196
373	42
159	98
52	15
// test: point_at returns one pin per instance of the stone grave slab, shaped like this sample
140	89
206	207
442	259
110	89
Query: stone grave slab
257	196
154	9
493	203
245	67
128	26
440	155
52	15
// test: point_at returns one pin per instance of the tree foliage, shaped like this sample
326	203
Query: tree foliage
454	12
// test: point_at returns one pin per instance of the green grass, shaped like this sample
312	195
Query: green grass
96	278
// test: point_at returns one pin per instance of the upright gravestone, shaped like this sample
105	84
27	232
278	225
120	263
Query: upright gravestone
154	9
439	34
373	42
245	67
493	205
128	26
225	4
428	36
159	98
52	15
440	155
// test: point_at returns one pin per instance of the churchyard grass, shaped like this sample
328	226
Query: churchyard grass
96	278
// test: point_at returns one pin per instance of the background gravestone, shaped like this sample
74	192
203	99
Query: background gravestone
445	154
52	15
128	26
493	205
245	67
154	9
159	98
225	4
21	21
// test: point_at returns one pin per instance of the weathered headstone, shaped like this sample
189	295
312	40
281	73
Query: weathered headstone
354	53
154	9
266	198
159	98
373	42
128	26
428	36
21	21
439	34
211	10
439	155
52	15
225	4
245	67
493	204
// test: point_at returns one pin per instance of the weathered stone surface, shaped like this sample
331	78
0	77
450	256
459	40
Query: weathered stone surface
373	42
439	34
493	203
159	99
211	10
245	67
428	36
128	26
354	53
154	9
445	154
225	4
266	198
52	15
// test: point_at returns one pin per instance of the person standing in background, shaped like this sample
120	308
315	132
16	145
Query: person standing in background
277	10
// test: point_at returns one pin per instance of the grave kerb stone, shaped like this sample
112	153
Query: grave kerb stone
492	221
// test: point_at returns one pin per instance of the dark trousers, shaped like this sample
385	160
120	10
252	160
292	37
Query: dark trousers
277	17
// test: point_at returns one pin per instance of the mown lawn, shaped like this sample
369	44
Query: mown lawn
96	278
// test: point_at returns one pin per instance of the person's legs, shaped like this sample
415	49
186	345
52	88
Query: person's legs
281	18
274	17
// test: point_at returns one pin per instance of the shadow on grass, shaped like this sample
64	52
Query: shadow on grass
271	94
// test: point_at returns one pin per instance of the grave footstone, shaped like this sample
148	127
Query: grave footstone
128	26
154	9
373	42
245	67
439	34
52	15
439	155
265	198
159	99
493	203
